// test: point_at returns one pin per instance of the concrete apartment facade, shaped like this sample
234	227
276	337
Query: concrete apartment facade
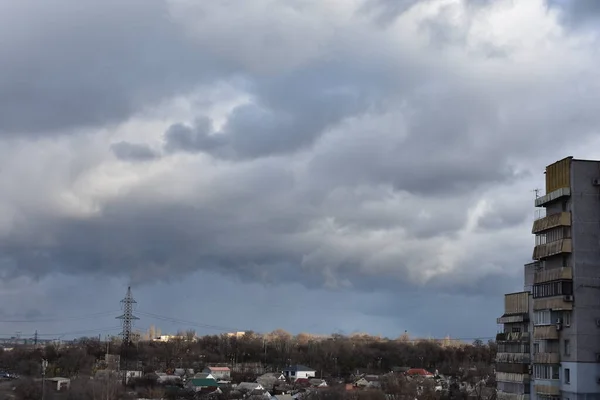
562	288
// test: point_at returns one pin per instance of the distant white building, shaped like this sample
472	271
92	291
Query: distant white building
296	372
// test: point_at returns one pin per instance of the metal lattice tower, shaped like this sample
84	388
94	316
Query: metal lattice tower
127	318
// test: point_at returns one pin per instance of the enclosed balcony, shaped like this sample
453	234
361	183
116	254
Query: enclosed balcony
547	390
512	377
512	337
559	303
551	221
511	396
552	248
513	368
515	358
546	358
548	332
555	274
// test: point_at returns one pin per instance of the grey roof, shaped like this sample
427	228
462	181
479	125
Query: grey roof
298	367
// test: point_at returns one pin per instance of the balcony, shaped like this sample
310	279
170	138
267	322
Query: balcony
515	358
511	396
546	358
556	303
512	377
552	248
548	332
555	274
551	221
512	337
547	390
512	368
511	319
516	303
552	196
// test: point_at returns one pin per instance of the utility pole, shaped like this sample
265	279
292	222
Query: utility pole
35	338
44	366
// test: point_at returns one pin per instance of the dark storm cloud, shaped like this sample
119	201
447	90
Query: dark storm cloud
133	151
90	63
195	138
355	162
286	116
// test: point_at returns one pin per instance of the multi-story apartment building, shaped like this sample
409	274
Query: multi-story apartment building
513	375
563	288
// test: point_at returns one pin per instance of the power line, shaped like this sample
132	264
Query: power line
63	319
187	322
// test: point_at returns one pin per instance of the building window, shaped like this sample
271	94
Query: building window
543	317
555	288
567	344
536	347
566	318
542	371
567	375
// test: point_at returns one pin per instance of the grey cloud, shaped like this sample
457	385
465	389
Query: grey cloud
285	117
354	170
97	68
577	12
133	151
195	138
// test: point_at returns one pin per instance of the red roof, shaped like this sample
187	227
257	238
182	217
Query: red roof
418	371
219	368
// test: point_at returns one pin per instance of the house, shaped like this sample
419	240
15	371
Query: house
59	383
283	397
198	384
249	387
296	372
165	379
204	375
218	373
271	379
368	381
419	372
317	383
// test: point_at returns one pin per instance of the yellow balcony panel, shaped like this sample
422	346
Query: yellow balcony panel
512	377
551	221
547	390
552	248
545	332
557	303
516	303
555	274
546	358
558	175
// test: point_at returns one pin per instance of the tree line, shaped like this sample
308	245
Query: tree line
338	355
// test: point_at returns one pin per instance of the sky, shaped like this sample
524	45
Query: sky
323	166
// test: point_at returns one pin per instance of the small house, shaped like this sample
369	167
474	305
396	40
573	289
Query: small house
296	372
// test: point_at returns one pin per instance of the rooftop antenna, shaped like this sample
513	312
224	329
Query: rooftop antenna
537	192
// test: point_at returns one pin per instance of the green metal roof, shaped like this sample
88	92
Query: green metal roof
204	382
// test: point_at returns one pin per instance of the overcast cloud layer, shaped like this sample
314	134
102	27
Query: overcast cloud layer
378	155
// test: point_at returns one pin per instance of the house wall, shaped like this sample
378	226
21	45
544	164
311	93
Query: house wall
295	375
